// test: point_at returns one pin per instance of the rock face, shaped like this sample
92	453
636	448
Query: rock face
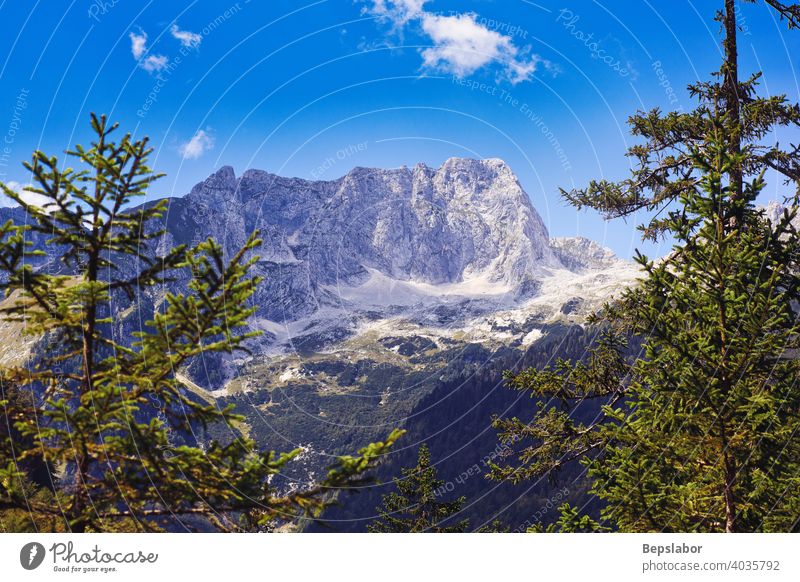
468	221
580	254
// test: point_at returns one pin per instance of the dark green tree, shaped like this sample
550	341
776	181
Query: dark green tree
701	430
570	521
31	473
111	419
415	507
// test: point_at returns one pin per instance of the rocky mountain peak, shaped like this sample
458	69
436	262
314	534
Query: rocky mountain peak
466	225
580	254
219	189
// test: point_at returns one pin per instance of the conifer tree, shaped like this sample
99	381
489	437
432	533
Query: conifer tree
570	521
110	421
700	431
415	507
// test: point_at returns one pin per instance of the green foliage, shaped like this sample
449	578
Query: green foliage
110	422
556	438
414	508
570	521
699	431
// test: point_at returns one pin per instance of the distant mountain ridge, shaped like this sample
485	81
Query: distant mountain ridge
436	245
467	219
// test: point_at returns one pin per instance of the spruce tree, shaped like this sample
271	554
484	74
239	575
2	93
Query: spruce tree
570	520
415	506
108	420
701	430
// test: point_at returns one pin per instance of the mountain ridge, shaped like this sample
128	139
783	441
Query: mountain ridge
440	245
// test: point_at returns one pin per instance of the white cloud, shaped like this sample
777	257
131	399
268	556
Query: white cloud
460	44
138	44
397	11
151	63
197	146
187	38
154	63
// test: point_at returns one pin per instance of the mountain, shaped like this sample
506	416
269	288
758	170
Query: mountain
774	212
580	254
468	224
385	241
391	298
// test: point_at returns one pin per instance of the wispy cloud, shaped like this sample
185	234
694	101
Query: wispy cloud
154	63
187	38
138	44
399	12
150	63
201	142
460	44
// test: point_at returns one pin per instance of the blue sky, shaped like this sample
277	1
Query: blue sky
314	88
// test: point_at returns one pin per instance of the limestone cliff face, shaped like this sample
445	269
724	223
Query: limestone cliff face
465	220
435	246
